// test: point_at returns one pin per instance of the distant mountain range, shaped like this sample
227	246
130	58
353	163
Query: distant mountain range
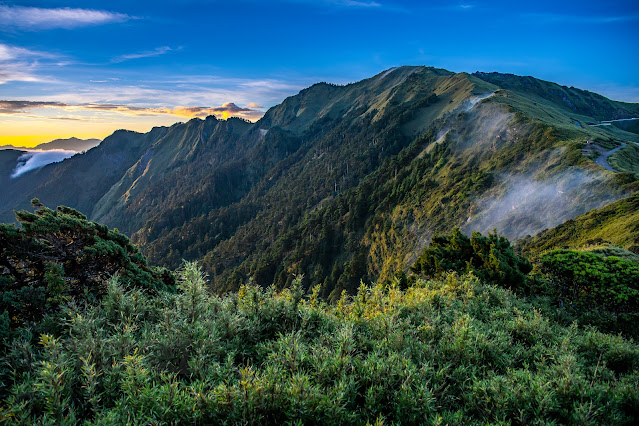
70	144
343	183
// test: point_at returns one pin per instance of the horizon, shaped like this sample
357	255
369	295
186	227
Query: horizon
158	64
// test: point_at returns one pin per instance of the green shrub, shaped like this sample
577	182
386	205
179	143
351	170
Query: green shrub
58	256
602	290
449	350
491	258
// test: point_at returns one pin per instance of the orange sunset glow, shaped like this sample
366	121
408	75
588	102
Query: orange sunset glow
28	127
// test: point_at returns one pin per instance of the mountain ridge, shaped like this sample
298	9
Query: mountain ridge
72	144
342	183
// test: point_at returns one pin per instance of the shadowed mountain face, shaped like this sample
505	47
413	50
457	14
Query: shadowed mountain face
342	183
8	161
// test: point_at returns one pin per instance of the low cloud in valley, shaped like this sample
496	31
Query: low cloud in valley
32	160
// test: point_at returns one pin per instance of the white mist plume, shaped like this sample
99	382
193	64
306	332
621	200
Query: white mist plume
528	205
474	100
534	196
484	129
32	160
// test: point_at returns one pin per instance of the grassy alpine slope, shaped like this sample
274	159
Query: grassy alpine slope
617	223
446	351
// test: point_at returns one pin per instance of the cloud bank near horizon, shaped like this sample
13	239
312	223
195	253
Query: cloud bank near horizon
32	160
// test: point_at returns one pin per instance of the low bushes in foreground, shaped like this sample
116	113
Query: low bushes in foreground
595	288
445	351
602	291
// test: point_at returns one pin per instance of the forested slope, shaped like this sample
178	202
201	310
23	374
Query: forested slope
343	183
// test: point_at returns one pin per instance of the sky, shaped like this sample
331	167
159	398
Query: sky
87	68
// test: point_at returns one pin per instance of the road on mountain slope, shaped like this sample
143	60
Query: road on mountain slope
609	122
602	159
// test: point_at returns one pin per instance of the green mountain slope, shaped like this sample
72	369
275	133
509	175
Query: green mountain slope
572	101
81	180
8	161
194	163
342	183
617	223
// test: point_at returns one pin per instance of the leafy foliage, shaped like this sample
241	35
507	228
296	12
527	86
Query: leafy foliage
603	291
491	258
595	288
436	353
57	256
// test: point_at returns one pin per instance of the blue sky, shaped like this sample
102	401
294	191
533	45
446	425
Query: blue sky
86	68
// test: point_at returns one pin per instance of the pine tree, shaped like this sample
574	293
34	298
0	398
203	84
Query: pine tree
58	256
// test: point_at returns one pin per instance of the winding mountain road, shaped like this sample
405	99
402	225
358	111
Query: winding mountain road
602	159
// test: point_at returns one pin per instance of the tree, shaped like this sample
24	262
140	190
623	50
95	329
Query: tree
604	291
491	258
58	256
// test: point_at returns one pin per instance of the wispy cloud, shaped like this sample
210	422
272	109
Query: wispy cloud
225	111
140	90
354	3
17	72
8	53
19	64
229	109
551	18
36	18
147	54
17	107
135	93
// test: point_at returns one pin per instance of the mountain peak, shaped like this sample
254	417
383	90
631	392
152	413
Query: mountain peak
383	162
